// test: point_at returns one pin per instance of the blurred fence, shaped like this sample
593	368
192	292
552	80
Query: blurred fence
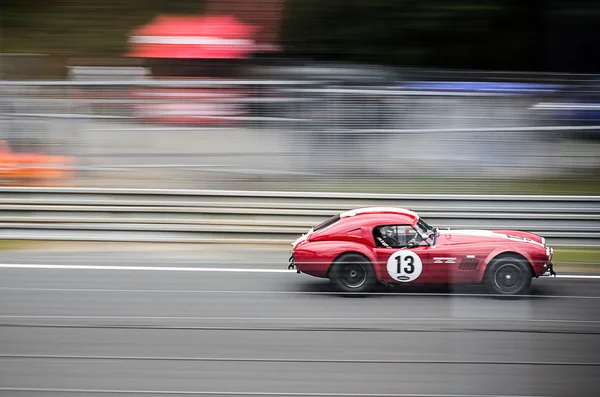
233	217
218	133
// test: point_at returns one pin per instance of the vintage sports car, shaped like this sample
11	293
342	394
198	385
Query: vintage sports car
358	249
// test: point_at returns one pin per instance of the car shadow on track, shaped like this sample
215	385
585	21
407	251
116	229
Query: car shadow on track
475	290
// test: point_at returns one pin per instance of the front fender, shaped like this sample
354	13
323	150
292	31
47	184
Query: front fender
503	250
518	233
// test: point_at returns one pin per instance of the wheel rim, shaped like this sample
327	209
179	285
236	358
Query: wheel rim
354	275
508	277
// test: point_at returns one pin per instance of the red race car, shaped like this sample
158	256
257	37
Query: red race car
393	246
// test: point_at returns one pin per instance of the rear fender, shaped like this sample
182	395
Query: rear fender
326	252
315	257
361	249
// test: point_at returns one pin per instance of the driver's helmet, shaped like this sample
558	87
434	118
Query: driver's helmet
387	231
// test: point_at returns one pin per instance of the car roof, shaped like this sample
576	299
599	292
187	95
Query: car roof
379	211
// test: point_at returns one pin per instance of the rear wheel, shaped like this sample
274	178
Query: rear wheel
508	276
353	273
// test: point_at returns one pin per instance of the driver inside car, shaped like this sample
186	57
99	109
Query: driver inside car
386	237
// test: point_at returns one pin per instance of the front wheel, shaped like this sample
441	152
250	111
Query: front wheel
353	273
508	276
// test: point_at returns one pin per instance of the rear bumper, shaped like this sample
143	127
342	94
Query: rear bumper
292	263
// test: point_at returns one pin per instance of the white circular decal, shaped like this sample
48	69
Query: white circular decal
404	266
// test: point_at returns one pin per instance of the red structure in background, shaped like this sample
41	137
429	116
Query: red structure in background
193	37
266	14
191	47
204	47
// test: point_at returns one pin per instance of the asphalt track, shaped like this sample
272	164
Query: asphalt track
156	323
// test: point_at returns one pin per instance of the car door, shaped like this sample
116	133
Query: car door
399	262
456	265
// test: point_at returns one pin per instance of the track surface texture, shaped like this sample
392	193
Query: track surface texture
110	331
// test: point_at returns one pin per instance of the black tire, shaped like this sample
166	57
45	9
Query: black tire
353	273
508	276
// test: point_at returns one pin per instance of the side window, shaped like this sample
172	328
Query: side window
328	222
395	236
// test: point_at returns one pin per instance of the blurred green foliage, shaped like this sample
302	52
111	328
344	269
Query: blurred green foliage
567	256
585	184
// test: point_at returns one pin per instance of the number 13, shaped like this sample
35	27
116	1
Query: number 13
408	260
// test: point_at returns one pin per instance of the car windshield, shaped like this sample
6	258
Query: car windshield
427	231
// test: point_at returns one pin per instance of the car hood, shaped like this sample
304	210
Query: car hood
460	236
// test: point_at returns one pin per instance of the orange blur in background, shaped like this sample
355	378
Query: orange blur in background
33	168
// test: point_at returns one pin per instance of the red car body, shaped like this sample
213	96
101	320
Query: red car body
438	257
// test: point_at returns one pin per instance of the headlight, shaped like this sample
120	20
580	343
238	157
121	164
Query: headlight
544	240
549	252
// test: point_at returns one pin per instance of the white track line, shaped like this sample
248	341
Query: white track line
577	276
202	269
143	268
242	393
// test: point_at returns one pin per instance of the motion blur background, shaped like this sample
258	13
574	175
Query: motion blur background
309	105
374	96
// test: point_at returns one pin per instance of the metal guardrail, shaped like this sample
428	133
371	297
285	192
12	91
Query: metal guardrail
270	217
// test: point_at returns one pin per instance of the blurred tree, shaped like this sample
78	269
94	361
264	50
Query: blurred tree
473	34
490	34
572	35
